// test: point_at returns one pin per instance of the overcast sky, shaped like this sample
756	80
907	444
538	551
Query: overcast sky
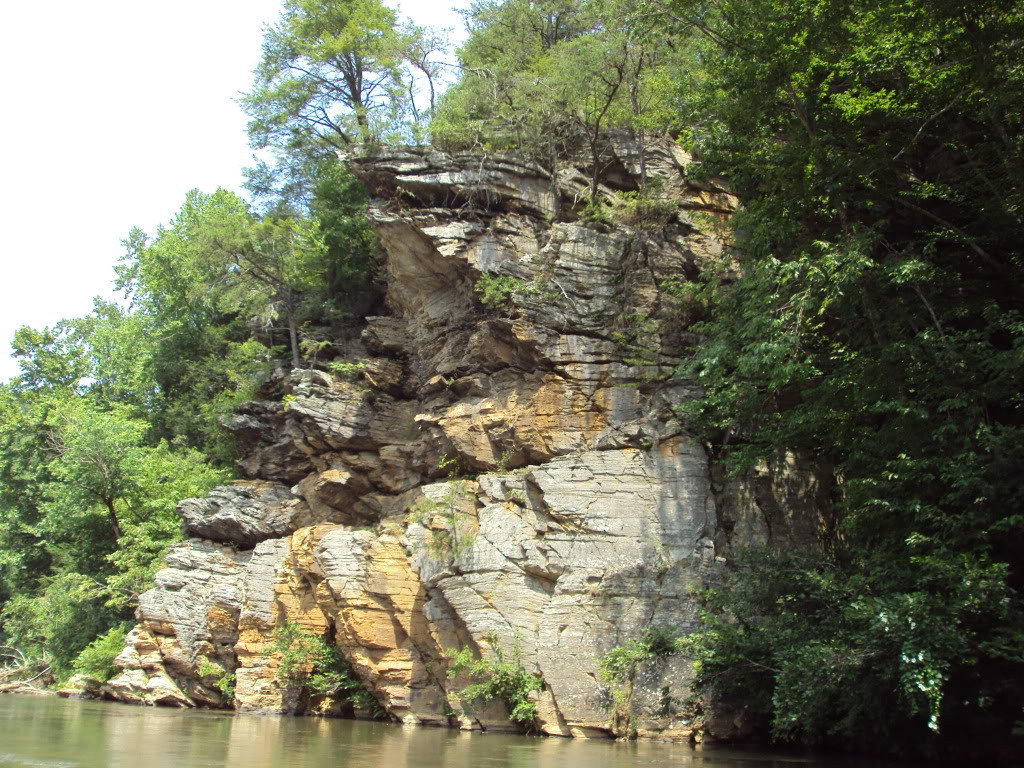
115	109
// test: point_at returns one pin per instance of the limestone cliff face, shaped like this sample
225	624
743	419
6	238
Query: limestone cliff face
542	428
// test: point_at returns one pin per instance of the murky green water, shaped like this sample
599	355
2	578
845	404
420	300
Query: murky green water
48	732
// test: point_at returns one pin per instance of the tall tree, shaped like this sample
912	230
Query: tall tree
331	74
270	264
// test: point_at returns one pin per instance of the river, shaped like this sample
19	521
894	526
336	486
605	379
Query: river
49	732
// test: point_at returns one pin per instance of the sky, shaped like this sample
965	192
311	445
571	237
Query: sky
115	109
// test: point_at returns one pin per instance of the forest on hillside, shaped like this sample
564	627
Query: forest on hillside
876	322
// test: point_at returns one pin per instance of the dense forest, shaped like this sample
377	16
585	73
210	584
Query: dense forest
870	314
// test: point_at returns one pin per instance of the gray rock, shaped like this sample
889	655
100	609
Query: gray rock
245	513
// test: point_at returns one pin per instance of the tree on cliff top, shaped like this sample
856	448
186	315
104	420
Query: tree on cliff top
329	74
549	79
338	73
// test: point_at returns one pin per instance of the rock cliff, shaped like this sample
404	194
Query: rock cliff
502	465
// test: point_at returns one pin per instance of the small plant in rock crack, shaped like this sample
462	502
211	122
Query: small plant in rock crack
347	369
495	291
450	528
497	676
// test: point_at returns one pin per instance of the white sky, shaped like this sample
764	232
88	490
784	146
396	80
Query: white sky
114	110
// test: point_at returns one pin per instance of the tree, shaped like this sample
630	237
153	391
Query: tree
493	104
24	474
87	510
330	75
51	358
338	204
586	80
273	262
95	458
576	72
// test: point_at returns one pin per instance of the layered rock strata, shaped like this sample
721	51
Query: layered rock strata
507	468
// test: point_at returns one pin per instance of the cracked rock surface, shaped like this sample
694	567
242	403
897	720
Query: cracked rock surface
539	436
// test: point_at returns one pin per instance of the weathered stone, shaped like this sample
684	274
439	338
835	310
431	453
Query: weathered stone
599	513
267	448
245	513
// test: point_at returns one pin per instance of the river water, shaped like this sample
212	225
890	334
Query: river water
48	732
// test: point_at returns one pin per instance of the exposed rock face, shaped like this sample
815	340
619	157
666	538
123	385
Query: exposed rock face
577	512
245	513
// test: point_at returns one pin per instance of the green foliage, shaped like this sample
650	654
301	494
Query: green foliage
877	147
334	74
448	521
219	678
116	416
495	291
549	79
87	496
646	209
490	106
347	369
163	477
617	666
330	74
96	660
59	621
497	676
821	650
339	205
596	211
305	659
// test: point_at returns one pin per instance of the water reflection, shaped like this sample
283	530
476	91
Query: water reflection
55	733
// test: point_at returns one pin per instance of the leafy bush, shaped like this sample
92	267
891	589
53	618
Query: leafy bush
59	622
499	677
618	667
96	661
218	678
496	290
307	660
797	637
596	210
619	664
645	211
347	369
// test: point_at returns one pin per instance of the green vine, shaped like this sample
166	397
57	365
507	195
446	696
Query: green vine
617	668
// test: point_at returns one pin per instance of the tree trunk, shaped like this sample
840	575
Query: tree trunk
293	338
114	522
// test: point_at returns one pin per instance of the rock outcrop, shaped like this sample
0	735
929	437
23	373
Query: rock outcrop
506	468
